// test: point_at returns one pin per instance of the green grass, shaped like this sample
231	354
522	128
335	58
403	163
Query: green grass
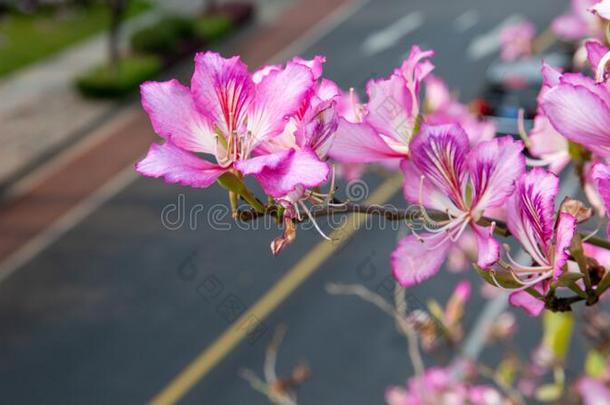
106	82
25	39
213	28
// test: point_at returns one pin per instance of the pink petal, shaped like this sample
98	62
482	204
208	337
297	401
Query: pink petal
414	261
601	176
488	249
391	110
530	212
174	117
602	9
550	76
423	192
494	167
548	144
316	65
176	165
261	73
222	90
595	52
522	299
416	67
281	173
566	227
318	127
580	116
439	152
437	93
328	90
569	27
593	392
279	96
360	143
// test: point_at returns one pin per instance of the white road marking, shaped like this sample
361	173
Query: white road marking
66	222
488	43
388	37
466	21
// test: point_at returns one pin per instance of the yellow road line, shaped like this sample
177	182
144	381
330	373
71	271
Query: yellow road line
213	354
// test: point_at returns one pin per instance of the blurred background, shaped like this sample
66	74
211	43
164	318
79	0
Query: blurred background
119	289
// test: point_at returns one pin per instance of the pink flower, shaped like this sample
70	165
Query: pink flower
226	114
531	220
578	23
390	119
593	391
439	386
443	108
579	109
444	173
516	40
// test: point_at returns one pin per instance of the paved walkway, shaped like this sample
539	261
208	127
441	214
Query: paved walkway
39	109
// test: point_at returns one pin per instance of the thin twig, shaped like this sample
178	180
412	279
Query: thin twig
375	299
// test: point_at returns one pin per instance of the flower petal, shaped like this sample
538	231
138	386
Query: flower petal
391	111
488	249
548	144
360	143
279	96
281	173
414	261
566	227
602	9
422	192
522	299
222	90
580	116
601	176
174	117
439	152
530	212
494	167
176	165
595	52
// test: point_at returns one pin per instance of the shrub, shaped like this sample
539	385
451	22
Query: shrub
163	37
213	28
106	82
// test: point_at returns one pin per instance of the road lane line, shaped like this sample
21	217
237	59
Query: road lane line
488	43
66	222
294	277
388	37
466	21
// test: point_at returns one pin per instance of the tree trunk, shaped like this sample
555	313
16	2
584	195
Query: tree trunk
117	11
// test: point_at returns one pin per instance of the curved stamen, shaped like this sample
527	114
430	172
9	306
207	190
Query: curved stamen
315	224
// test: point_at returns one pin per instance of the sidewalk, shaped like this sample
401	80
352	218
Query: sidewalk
39	109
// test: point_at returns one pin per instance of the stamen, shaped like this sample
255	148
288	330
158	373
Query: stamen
315	224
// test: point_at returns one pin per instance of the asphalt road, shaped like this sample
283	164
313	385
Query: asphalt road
120	305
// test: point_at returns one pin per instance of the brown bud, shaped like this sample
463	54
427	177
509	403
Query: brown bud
289	235
577	209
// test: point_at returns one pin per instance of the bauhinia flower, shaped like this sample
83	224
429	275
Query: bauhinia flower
531	220
579	109
390	119
601	176
516	40
226	114
578	23
445	174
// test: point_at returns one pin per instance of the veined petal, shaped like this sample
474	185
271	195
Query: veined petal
416	67
580	116
522	299
391	111
550	76
421	191
360	143
260	74
174	117
318	127
176	165
494	167
487	247
439	152
279	96
222	90
414	260
281	173
530	212
564	232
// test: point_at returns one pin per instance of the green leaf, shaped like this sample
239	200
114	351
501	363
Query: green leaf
549	392
558	328
595	364
503	278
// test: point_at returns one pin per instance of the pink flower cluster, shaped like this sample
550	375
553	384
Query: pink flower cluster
285	126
